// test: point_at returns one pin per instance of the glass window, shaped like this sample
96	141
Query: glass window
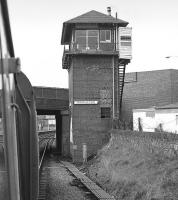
150	114
92	39
80	33
86	39
106	112
105	36
81	42
108	35
92	33
80	39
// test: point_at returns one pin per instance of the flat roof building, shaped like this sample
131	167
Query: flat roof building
147	89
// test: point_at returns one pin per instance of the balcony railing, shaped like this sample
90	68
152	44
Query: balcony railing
123	50
92	46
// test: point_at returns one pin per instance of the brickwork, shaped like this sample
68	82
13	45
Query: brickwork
174	82
65	134
91	74
51	98
147	89
55	101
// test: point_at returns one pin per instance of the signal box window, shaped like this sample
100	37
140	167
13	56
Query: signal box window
86	39
105	112
105	36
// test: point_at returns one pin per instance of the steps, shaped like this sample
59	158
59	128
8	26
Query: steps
121	76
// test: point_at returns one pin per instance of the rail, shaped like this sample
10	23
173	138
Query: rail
42	158
46	138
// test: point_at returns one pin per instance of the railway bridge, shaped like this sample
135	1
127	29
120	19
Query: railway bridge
55	101
52	101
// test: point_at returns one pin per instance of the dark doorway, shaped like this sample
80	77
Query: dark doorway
58	119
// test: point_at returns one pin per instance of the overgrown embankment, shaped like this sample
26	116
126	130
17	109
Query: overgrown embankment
138	166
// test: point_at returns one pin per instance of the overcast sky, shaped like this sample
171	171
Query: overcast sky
37	27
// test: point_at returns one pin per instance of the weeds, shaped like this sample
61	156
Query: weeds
135	164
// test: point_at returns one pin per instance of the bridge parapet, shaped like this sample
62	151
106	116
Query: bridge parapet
48	98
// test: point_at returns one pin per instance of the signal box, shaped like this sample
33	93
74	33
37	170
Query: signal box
96	52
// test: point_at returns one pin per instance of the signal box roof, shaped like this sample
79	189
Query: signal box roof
91	17
96	17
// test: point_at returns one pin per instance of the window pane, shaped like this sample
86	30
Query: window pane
93	33
105	112
92	42
105	35
102	35
80	33
150	114
81	42
108	35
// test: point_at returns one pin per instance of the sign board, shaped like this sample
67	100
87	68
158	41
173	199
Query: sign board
85	102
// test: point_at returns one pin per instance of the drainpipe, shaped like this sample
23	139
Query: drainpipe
113	90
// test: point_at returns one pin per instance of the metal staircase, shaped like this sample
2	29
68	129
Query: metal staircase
66	59
121	76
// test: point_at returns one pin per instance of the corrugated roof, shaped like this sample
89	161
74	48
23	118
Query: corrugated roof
96	17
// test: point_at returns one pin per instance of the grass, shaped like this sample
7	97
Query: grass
138	166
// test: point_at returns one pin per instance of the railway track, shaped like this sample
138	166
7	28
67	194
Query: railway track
45	142
42	135
78	181
65	181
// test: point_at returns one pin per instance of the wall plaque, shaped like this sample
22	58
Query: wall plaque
85	102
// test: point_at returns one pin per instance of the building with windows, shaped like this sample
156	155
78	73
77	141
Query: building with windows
162	118
46	122
146	89
97	48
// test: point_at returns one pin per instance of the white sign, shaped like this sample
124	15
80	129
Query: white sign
85	102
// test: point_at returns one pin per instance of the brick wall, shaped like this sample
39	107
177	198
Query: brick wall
51	98
174	82
147	89
91	74
65	134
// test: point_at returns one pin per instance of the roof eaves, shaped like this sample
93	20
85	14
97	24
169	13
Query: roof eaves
98	18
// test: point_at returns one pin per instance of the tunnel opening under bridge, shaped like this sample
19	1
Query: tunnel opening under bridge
61	118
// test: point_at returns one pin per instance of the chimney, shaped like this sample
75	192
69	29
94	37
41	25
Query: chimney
109	11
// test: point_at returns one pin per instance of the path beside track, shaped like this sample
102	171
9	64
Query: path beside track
60	183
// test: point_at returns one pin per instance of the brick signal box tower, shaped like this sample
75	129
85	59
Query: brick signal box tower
97	49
